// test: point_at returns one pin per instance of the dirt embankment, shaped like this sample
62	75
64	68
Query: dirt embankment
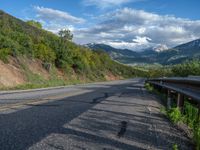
13	74
16	72
111	77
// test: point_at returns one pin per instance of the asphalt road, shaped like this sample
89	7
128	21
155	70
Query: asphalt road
105	116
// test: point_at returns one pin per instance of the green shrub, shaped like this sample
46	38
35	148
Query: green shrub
192	119
191	67
197	136
175	147
4	53
149	87
35	24
175	114
44	53
67	69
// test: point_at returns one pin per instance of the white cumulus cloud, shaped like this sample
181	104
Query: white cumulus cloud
49	14
137	29
106	3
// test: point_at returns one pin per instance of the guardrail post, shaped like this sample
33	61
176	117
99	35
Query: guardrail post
169	99
180	101
199	113
163	90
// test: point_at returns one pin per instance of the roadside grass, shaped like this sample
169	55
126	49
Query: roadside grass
188	117
175	115
149	87
175	147
34	81
38	81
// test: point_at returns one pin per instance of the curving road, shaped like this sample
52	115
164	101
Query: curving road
105	116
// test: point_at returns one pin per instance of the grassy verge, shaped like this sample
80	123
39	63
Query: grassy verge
35	81
48	83
188	117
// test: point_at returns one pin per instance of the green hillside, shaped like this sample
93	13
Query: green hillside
26	39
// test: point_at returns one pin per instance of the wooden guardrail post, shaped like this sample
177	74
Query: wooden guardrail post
169	99
180	101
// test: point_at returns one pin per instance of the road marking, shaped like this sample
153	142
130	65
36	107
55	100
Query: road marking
41	101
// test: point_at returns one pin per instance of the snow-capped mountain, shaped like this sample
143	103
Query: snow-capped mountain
159	54
160	48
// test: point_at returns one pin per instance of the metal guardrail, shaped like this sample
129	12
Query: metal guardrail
188	80
180	87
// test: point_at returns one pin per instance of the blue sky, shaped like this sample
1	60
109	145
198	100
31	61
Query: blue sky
133	24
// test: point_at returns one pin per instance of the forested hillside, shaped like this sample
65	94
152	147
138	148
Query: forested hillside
187	68
19	39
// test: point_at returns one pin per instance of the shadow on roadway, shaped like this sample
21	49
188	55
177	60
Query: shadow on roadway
24	128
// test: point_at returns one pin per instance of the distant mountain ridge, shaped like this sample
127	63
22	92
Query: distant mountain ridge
174	55
113	52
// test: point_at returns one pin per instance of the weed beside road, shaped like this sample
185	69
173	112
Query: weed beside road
189	116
